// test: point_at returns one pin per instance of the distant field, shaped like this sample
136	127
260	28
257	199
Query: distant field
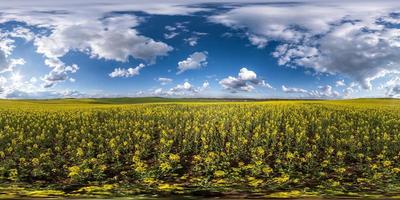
250	148
141	100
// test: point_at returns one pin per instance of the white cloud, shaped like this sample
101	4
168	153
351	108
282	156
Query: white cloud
8	64
6	44
170	35
292	55
234	84
293	90
275	21
111	38
170	28
194	61
368	55
21	94
15	85
158	91
206	85
91	8
394	91
259	42
91	30
192	41
245	81
327	91
130	72
322	92
164	81
392	87
185	89
340	83
350	89
186	86
59	73
175	30
33	80
247	75
336	37
22	32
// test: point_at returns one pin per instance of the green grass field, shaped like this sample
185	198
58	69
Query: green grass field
121	147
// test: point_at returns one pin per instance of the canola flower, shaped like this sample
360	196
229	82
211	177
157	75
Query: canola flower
256	145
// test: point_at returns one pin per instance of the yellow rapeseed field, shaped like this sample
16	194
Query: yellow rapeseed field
347	146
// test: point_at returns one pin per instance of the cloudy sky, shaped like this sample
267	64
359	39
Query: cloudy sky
205	48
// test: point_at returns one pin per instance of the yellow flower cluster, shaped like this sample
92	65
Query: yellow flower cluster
267	144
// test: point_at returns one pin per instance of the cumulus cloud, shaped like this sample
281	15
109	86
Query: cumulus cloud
15	85
130	72
22	32
90	30
351	88
392	87
8	64
336	37
194	61
293	90
164	81
245	81
394	91
59	73
185	89
6	44
21	94
111	38
259	42
325	91
158	91
247	75
340	83
275	21
175	30
205	85
18	94
368	55
234	85
186	86
171	32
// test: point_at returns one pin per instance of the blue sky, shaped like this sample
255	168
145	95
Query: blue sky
240	49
